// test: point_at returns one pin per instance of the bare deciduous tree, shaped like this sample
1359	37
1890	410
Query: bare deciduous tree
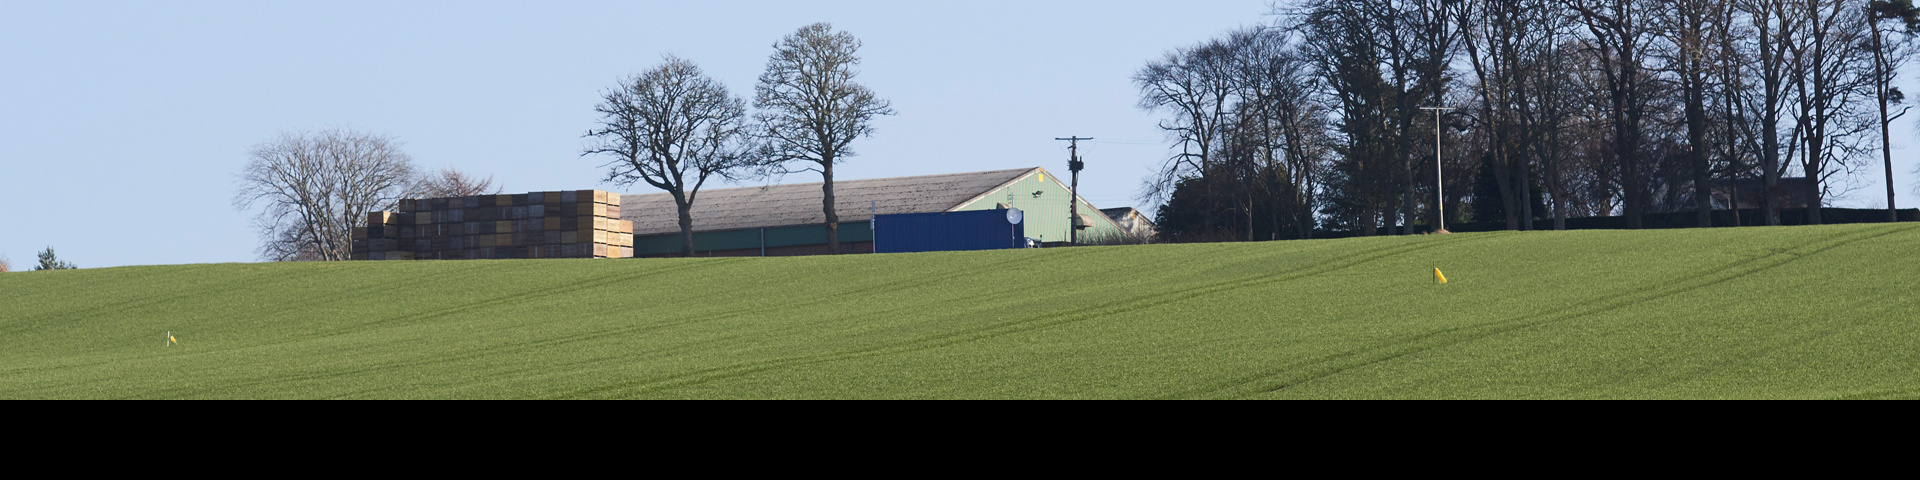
1776	27
1624	108
810	109
1891	51
449	182
1194	87
1509	45
1916	186
1622	35
1690	28
1279	113
313	187
674	128
1830	95
1248	135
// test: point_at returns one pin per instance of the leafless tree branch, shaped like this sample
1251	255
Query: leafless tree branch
311	188
449	182
673	128
810	110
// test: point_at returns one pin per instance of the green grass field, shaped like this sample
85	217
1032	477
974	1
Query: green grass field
1793	312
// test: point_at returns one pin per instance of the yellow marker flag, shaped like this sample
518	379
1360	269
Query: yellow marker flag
170	339
1442	278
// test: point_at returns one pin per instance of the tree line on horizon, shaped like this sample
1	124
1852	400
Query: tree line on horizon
673	127
670	126
1320	119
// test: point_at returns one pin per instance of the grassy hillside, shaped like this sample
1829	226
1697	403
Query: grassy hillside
1793	312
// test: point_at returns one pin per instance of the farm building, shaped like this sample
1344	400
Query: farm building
782	220
1135	223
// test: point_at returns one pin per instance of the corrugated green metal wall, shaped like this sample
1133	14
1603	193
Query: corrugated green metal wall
1044	204
750	238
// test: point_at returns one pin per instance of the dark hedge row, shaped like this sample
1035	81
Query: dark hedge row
1721	218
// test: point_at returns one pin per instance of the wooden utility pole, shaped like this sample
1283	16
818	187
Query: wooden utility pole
1073	203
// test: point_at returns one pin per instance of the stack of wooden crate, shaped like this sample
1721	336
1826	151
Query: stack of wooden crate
380	239
570	224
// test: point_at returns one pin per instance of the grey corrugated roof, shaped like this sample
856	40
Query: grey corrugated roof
799	203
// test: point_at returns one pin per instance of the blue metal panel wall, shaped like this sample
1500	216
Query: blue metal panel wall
943	231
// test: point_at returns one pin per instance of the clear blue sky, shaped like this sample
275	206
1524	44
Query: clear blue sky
123	124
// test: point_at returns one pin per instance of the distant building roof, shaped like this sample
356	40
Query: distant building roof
1117	213
799	203
1134	222
1792	190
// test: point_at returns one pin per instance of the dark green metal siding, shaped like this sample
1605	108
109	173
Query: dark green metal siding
750	238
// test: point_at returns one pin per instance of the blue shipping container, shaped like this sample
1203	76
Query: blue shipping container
944	231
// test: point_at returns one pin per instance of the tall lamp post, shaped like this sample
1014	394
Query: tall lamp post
1439	181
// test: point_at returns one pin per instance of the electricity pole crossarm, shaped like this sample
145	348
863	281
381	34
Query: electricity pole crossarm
1073	201
1439	181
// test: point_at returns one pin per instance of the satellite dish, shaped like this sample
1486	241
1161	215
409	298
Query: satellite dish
1013	215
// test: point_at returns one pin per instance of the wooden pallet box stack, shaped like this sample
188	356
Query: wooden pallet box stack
569	224
379	239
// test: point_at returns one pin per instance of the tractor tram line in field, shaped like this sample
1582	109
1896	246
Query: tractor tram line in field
640	388
1327	366
1761	312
